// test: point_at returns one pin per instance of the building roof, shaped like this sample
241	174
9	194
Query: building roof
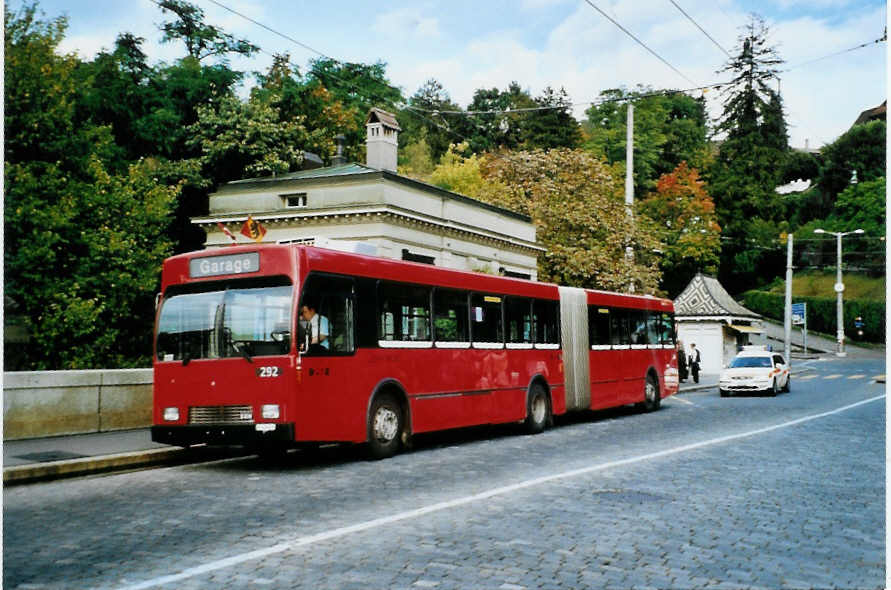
874	113
705	297
382	116
359	171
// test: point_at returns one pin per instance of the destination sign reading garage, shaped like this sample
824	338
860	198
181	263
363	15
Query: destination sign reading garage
232	264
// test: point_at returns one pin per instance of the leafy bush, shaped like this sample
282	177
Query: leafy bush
821	313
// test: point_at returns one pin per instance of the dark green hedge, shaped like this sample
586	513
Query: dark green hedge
821	312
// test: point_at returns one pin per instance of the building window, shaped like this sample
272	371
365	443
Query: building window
412	257
294	200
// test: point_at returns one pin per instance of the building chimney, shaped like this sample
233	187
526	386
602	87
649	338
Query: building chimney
382	140
339	159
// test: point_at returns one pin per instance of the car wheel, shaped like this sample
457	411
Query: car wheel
788	384
773	389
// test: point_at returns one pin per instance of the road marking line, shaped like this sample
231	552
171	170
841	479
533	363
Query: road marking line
440	506
879	378
835	376
682	400
806	377
856	376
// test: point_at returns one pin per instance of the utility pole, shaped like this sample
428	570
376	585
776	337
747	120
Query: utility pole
787	323
629	185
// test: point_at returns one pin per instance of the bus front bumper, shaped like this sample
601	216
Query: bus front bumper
223	434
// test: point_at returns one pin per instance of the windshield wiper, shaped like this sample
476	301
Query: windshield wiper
242	348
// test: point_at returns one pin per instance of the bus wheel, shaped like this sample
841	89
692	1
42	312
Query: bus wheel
385	427
538	410
652	399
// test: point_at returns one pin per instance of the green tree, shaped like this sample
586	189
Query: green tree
683	214
554	127
308	102
750	162
495	126
669	128
83	259
83	242
39	89
358	87
423	121
201	39
861	149
464	175
243	139
578	208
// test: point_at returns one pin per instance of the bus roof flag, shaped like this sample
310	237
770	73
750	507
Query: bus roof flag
253	229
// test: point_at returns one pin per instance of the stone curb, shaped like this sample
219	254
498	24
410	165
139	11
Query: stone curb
22	474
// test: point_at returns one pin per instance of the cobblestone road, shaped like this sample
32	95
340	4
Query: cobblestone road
708	492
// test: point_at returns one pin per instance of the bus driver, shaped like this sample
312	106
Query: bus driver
315	328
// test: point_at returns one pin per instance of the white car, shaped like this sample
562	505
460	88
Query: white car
755	371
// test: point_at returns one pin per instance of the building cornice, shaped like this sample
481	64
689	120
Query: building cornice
350	214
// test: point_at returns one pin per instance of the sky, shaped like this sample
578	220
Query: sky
467	45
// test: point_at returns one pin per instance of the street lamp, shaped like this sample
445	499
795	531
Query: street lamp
839	288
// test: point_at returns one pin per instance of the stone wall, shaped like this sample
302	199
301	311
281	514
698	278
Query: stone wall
49	403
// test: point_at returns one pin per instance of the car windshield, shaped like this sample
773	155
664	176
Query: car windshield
237	320
750	361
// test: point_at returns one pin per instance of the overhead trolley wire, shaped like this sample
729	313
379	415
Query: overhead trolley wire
641	43
881	39
704	32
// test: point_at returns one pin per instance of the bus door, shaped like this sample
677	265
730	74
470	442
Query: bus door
328	407
605	370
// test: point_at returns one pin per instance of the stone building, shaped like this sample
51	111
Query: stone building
372	209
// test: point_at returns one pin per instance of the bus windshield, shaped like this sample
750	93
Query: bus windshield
233	321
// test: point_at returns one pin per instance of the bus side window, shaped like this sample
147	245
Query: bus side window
547	322
332	299
519	320
653	335
450	316
598	318
619	327
666	327
638	327
485	318
403	313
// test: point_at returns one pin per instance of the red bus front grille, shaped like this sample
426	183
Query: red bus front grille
221	415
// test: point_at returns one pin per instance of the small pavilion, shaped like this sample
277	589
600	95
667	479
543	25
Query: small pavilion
708	316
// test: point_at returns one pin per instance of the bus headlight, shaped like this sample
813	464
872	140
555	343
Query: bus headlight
171	414
270	412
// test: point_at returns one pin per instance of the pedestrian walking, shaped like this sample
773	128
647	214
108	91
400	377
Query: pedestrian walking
682	362
694	361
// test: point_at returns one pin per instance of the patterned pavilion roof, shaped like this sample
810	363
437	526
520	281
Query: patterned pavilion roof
705	296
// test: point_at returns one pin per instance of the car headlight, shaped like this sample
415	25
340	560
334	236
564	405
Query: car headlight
270	412
171	414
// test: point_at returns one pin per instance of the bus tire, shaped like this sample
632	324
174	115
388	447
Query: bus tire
652	399
538	409
386	424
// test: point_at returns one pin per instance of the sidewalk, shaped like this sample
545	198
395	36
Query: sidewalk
37	459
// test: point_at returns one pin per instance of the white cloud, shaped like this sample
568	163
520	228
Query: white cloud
410	21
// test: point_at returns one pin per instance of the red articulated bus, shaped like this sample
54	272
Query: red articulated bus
270	346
